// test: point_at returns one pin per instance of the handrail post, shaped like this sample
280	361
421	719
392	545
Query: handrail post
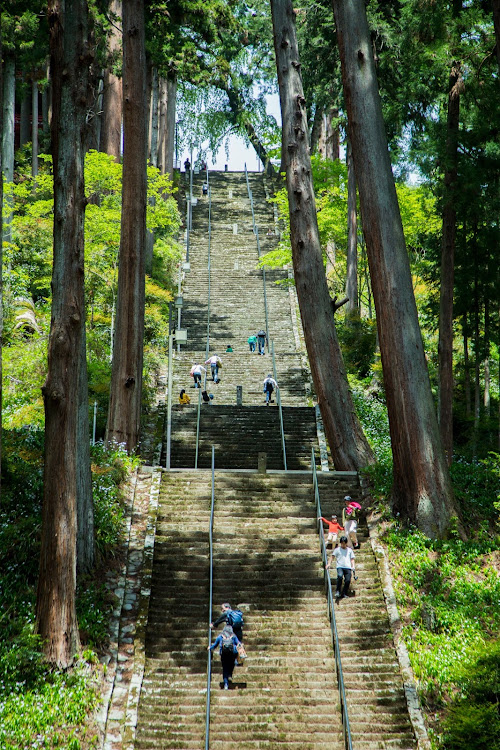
210	601
280	408
169	399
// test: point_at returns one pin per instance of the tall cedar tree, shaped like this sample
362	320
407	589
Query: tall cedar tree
350	450
69	67
111	118
422	489
126	378
445	346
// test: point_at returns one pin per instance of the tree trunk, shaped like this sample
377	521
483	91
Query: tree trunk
350	450
25	114
126	379
56	614
171	109
111	124
422	489
487	374
9	102
154	117
162	126
351	287
445	346
85	540
34	129
465	329
496	23
316	130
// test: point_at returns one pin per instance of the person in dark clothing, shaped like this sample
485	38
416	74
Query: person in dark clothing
261	340
231	617
228	649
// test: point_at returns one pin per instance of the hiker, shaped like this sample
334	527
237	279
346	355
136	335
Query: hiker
228	649
184	398
233	617
229	348
204	189
187	165
350	520
333	529
345	568
269	385
196	371
252	343
215	363
261	340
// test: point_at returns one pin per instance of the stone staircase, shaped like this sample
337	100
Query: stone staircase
266	556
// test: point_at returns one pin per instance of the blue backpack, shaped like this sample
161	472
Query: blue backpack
235	617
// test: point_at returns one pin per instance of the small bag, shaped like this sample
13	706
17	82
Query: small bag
242	654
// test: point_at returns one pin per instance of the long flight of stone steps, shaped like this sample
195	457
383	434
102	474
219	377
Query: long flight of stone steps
267	557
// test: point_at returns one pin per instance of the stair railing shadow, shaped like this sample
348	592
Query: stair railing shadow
210	600
331	611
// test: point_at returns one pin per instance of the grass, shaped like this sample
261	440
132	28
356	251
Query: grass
41	707
448	594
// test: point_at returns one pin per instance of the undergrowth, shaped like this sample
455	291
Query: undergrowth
448	594
41	707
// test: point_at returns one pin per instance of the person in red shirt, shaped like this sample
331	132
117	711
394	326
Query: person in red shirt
333	529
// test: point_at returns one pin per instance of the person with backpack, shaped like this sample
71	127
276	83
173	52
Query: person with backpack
269	385
261	340
252	342
233	617
350	520
228	649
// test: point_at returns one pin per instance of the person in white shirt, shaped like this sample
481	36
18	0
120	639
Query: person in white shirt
215	363
345	568
196	371
269	386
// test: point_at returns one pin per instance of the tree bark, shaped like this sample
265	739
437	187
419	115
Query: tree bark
25	115
170	124
34	128
465	329
445	345
162	125
111	125
9	102
56	614
349	448
351	287
422	489
126	378
153	157
496	23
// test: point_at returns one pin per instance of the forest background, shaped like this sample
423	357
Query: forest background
210	70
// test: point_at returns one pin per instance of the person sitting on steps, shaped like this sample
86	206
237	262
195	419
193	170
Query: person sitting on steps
184	398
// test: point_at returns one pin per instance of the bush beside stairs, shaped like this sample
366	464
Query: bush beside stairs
266	547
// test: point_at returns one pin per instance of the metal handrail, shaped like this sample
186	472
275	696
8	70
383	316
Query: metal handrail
210	601
331	609
280	408
207	346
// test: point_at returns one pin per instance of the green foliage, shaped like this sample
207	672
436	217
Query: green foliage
358	338
473	719
40	708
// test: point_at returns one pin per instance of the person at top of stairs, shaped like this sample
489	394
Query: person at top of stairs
228	648
261	341
214	362
196	371
269	385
